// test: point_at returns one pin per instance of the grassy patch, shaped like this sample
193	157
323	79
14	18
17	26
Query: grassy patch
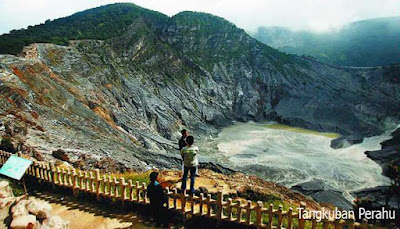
134	176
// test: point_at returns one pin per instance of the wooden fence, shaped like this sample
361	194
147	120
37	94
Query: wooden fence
239	211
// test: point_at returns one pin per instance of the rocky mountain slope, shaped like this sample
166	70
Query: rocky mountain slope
128	96
371	42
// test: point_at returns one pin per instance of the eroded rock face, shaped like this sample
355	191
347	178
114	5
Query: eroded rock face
127	98
390	152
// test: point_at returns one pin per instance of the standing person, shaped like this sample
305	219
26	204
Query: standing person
182	140
182	143
157	198
190	162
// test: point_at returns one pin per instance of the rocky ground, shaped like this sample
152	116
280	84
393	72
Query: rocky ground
86	215
242	186
26	212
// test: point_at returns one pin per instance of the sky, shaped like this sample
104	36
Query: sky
316	15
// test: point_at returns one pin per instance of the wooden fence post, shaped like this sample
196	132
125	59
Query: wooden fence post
87	181
183	202
168	195
239	211
338	224
69	180
123	188
81	181
280	210
302	222
115	182
248	212
192	203
259	214
64	177
48	173
137	192
74	182
219	205
53	175
98	183
270	216
325	224
364	224
131	188
290	218
144	193
92	182
229	209
109	185
201	203
175	196
209	205
58	171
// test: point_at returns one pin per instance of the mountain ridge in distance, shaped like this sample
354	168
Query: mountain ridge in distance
371	42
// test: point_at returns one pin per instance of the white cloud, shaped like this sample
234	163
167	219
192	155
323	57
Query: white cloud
248	14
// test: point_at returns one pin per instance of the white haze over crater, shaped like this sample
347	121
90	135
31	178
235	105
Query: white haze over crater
317	15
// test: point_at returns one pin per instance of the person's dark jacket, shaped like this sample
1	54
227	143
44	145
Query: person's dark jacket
156	194
182	143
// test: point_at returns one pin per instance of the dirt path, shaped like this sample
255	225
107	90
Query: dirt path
88	216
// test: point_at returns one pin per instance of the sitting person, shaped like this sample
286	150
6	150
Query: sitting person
157	198
190	162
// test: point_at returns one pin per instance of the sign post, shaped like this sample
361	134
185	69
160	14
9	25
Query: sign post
15	168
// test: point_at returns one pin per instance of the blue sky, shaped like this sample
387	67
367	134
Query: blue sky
317	15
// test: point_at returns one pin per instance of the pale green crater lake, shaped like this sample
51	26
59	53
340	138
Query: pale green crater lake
289	156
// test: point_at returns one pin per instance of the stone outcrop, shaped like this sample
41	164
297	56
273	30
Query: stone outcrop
27	213
40	209
24	221
346	141
323	194
390	152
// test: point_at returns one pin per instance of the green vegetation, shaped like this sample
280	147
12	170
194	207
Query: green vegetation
100	23
206	38
219	40
135	176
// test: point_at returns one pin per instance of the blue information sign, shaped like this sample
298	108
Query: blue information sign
15	167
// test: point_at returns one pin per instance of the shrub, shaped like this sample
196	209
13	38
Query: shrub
7	145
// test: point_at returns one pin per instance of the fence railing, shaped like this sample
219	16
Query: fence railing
226	209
